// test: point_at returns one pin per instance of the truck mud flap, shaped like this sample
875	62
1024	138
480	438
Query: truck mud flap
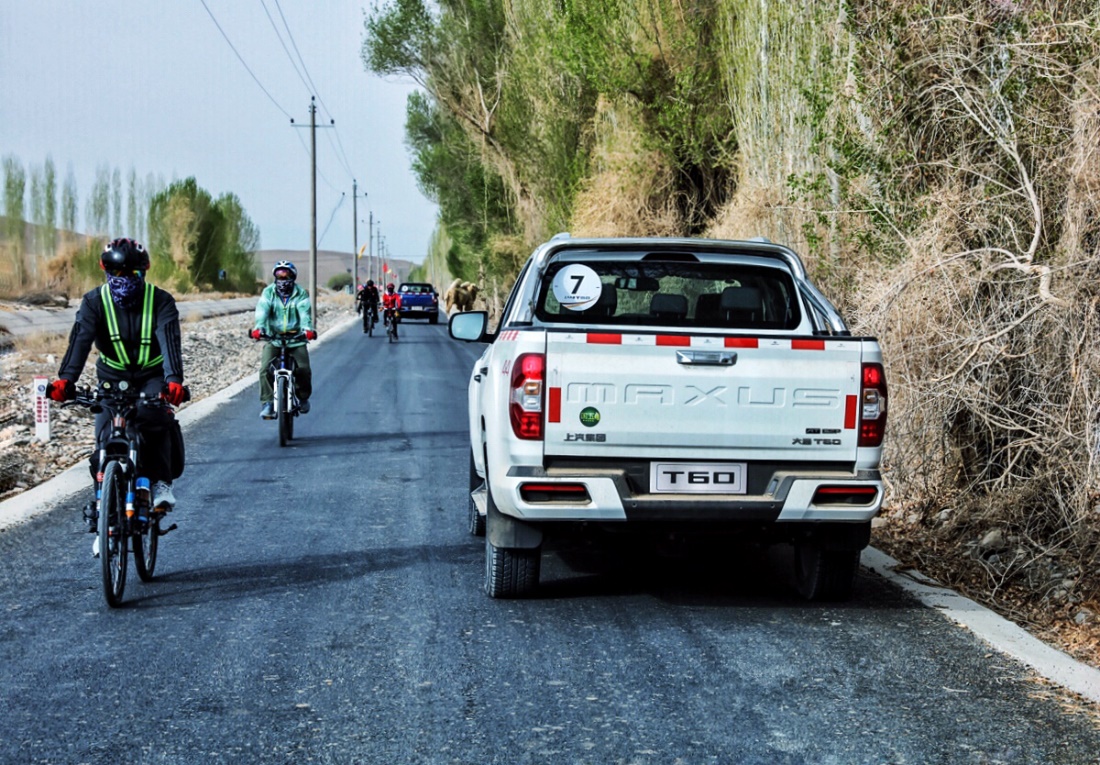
504	531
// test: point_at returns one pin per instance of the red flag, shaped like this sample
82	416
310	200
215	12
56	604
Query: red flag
385	268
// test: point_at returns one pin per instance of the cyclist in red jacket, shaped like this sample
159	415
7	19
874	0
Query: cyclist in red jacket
391	301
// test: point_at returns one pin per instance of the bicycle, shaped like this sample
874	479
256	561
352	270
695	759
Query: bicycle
122	510
369	320
389	318
282	369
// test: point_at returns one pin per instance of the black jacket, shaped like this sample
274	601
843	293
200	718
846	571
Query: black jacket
91	328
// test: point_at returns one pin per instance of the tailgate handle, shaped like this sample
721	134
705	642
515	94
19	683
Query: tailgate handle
706	358
480	372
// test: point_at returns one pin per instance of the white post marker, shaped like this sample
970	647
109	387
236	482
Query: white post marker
41	409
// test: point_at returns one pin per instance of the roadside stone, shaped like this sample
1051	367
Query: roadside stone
993	541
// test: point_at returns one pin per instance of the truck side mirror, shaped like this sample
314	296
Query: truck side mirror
468	326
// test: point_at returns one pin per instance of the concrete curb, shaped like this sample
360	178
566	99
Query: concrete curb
58	490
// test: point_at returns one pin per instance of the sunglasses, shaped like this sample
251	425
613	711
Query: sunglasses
123	272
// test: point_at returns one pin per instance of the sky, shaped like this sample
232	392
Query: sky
154	86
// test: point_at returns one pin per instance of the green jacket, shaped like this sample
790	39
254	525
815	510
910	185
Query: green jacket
274	316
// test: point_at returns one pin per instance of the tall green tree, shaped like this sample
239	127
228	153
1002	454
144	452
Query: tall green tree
15	182
68	203
49	218
97	214
132	201
116	203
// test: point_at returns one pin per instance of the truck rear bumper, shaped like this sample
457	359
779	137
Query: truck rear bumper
534	494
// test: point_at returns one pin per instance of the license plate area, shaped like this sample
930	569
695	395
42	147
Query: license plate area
697	477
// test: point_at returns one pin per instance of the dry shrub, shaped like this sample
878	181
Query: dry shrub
989	322
40	344
630	191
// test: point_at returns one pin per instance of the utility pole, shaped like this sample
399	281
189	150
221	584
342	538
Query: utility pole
313	201
370	246
355	234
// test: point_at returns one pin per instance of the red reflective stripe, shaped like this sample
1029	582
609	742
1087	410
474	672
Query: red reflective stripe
742	342
847	490
673	340
850	412
807	345
554	415
605	338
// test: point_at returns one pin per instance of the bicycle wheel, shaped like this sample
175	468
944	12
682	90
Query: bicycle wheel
370	329
112	533
145	548
282	411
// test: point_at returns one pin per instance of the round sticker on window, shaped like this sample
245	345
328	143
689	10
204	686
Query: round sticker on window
577	287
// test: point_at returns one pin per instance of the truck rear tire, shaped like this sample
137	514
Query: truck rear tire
822	574
433	318
511	572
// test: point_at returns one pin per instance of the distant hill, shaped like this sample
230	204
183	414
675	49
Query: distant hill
329	263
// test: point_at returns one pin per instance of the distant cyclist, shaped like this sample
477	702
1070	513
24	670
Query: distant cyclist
367	300
284	309
136	329
391	301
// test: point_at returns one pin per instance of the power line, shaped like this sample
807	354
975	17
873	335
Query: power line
243	63
304	67
338	147
323	178
285	49
331	218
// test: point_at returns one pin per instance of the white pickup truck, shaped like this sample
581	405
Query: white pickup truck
685	385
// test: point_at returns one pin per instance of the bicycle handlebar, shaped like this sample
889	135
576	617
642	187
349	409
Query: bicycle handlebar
287	338
92	397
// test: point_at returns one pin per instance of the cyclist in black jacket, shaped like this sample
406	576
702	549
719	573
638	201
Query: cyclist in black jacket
135	327
367	300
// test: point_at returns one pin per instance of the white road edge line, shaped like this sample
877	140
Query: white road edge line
1001	634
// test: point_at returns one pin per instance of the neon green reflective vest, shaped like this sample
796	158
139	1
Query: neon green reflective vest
121	362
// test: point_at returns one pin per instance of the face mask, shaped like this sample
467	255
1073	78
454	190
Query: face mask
126	290
285	287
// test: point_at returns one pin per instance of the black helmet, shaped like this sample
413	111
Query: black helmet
124	255
370	282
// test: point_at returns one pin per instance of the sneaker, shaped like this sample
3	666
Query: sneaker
267	412
95	547
163	498
303	406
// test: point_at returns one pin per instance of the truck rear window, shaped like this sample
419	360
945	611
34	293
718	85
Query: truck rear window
663	293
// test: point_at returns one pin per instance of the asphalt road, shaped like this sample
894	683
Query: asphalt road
322	603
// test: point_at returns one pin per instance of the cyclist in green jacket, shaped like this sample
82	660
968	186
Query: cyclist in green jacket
284	309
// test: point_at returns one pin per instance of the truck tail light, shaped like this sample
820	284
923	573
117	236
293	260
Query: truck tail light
554	492
528	389
872	406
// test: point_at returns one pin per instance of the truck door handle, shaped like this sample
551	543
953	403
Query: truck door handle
706	358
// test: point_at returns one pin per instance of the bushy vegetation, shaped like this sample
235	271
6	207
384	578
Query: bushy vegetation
934	162
196	241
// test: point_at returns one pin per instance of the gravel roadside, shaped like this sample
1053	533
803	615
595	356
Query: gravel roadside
216	353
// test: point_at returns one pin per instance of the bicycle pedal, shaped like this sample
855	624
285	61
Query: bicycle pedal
91	519
162	532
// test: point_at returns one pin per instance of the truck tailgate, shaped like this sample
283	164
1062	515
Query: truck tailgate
678	396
